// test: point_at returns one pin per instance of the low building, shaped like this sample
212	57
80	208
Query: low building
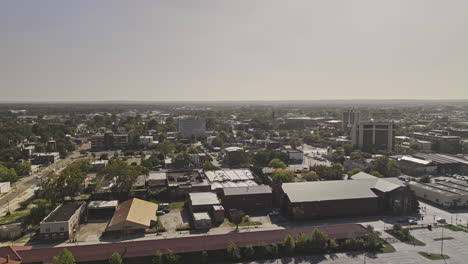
11	231
147	141
248	199
294	156
198	159
439	142
98	165
4	187
45	158
416	167
219	179
157	179
309	200
203	201
234	156
140	182
133	217
450	194
202	220
446	164
101	209
62	222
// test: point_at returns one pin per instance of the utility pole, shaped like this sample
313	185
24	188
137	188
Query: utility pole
442	244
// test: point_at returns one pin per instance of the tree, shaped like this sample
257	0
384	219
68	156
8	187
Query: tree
158	258
7	174
386	167
171	258
248	251
376	174
233	251
277	164
204	257
115	259
354	171
236	217
124	176
273	249
282	176
39	212
217	142
182	160
425	179
302	241
372	242
23	168
289	245
310	176
166	147
65	257
207	166
318	241
104	156
334	172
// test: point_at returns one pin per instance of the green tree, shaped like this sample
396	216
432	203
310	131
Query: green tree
7	174
386	167
373	243
166	147
282	176
41	209
233	251
302	242
207	166
23	168
217	142
310	176
158	258
354	171
318	241
289	245
277	164
182	161
65	257
115	259
104	156
425	179
171	258
124	176
248	251
204	257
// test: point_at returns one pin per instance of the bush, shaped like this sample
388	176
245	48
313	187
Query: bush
233	252
248	251
289	245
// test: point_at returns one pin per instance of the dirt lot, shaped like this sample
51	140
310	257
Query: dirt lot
91	231
174	219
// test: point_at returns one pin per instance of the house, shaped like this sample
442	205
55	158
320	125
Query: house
309	200
4	187
157	179
248	199
133	216
62	222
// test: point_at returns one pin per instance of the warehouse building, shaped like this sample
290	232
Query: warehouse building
62	222
446	164
416	167
248	199
309	200
450	194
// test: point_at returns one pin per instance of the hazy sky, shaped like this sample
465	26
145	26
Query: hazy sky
233	50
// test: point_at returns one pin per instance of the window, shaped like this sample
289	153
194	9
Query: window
47	230
62	229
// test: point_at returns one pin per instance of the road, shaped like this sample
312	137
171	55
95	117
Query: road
23	189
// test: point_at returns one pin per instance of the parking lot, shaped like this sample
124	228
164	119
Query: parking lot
90	231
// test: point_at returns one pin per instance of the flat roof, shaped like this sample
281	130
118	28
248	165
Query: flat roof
63	212
204	198
102	204
338	190
448	188
416	160
440	158
201	216
260	189
157	176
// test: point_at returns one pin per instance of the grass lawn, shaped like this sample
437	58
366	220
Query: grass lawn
14	216
455	228
445	238
410	241
387	248
177	205
433	256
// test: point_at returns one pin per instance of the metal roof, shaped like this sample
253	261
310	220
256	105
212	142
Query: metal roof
338	190
440	158
261	189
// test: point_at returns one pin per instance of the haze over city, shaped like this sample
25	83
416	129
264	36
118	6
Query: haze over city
233	50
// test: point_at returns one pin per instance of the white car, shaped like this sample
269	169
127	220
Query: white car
441	220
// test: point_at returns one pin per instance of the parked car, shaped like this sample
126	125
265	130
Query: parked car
412	222
160	212
441	220
273	213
